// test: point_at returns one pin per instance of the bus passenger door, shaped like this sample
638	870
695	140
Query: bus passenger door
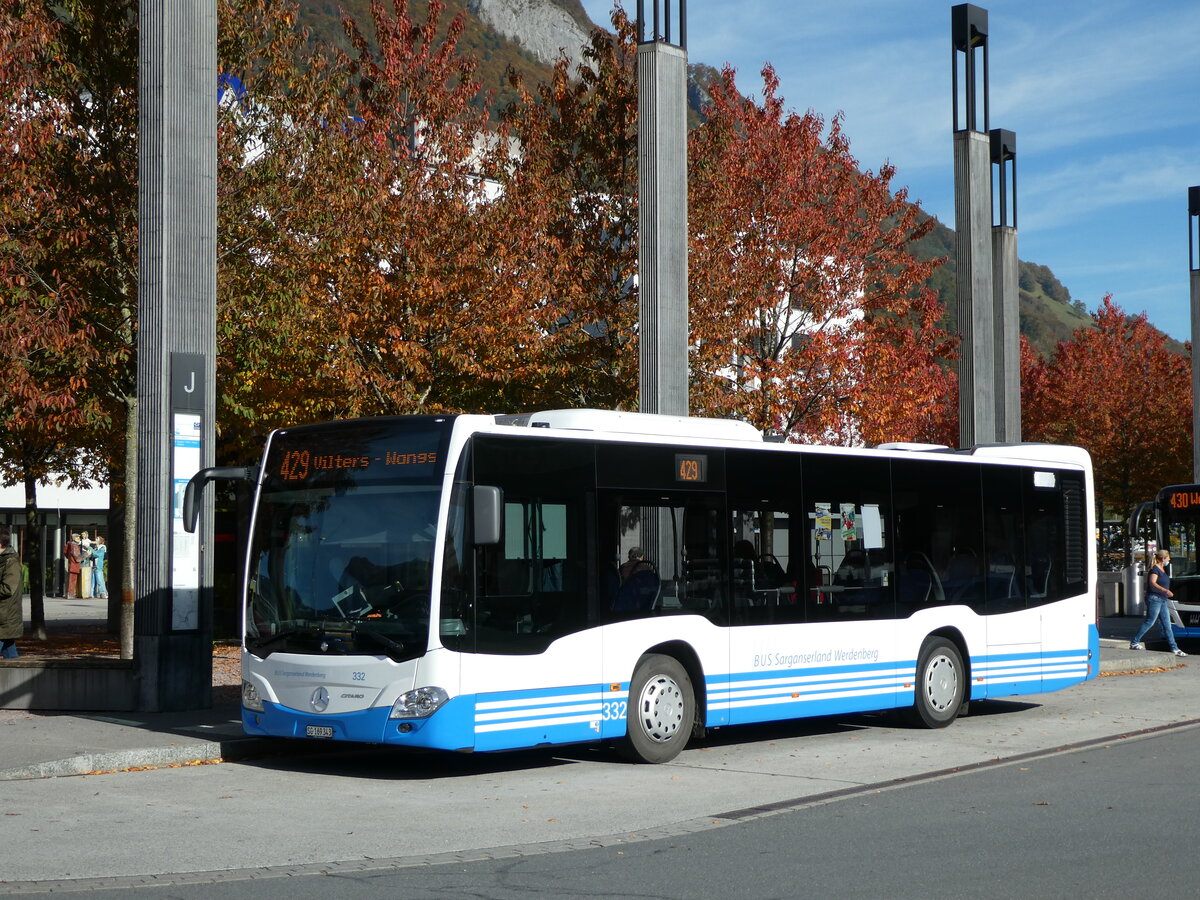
1016	574
664	585
533	653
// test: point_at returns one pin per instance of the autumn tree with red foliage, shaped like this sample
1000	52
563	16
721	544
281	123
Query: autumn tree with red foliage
1119	393
364	269
406	301
809	316
290	178
47	344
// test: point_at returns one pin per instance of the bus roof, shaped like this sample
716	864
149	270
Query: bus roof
618	422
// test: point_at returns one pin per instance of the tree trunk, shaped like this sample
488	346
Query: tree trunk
32	552
129	568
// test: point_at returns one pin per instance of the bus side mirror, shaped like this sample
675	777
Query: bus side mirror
191	506
488	503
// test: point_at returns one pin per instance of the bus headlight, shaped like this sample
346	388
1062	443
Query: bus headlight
419	704
250	698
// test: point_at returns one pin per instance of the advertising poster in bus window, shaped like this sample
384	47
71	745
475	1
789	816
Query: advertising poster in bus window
849	523
823	524
872	527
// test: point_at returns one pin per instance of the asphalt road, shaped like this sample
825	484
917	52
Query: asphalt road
1107	821
901	812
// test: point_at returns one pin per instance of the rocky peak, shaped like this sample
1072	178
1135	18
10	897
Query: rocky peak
539	26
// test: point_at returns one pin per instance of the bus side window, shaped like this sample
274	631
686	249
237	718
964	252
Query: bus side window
939	534
848	517
1004	539
1054	522
667	553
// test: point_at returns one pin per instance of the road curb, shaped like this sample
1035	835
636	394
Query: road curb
196	752
1116	658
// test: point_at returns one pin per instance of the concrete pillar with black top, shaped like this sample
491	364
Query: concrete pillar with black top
972	224
662	207
176	349
1006	315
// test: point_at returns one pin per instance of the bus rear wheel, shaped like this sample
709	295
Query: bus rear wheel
661	712
941	684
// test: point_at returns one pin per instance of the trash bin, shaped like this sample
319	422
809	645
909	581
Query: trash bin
1135	590
1109	590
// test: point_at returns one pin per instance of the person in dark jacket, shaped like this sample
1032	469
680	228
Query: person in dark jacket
12	622
73	553
1158	604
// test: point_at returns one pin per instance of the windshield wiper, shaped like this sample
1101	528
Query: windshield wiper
381	639
263	642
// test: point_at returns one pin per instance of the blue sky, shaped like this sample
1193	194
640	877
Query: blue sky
1103	95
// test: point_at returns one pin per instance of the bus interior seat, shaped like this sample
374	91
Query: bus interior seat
1039	575
921	585
963	565
639	592
1002	576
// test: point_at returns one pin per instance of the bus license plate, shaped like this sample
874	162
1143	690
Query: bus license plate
319	731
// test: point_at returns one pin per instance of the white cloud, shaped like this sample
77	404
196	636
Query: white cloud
1079	189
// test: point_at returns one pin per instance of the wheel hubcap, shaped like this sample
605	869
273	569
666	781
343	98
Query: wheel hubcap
660	708
941	683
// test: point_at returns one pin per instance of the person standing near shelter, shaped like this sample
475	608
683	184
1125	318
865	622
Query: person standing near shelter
12	621
85	565
1158	604
99	552
73	553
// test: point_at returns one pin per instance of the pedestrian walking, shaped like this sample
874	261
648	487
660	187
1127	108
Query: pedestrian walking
99	554
12	620
1158	604
73	553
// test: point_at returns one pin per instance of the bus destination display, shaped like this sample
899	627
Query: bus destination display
1184	499
373	452
299	465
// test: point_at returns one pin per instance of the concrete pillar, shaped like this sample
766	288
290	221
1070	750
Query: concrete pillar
176	345
973	286
662	219
1006	288
972	225
1006	318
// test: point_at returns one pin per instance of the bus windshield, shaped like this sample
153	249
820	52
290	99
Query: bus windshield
342	552
1179	522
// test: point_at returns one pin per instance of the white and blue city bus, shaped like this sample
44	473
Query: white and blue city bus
483	583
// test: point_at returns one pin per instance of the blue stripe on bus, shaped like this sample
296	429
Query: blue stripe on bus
577	713
831	690
528	718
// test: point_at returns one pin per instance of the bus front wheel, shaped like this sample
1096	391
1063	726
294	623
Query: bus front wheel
661	711
941	684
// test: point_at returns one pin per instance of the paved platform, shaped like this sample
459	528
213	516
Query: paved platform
52	744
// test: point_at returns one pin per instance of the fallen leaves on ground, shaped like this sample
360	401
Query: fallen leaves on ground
92	641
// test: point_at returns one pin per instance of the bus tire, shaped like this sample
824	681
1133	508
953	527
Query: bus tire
661	710
941	684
